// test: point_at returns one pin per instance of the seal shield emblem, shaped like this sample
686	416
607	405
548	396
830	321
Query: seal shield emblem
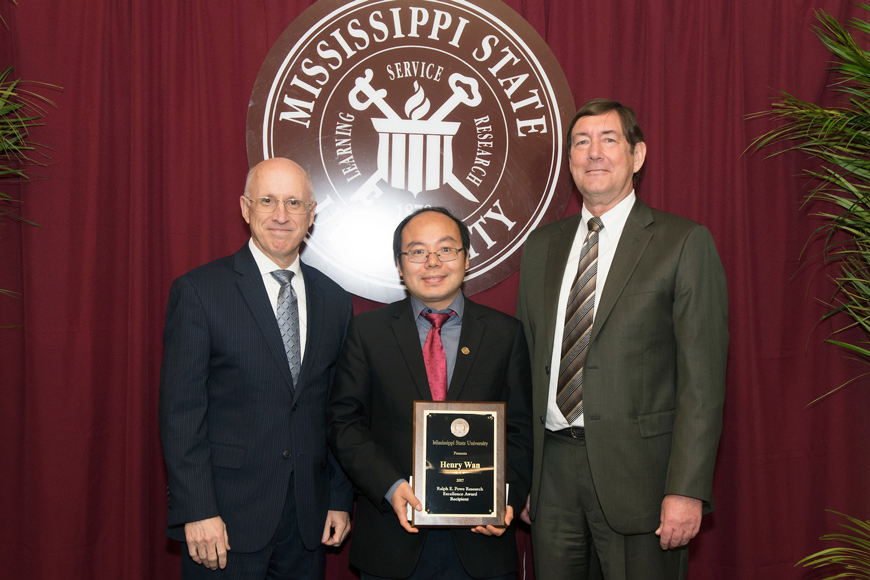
393	106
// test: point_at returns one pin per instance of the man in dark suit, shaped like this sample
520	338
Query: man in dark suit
382	372
250	346
626	314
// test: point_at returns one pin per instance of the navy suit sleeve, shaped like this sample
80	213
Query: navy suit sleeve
182	407
341	489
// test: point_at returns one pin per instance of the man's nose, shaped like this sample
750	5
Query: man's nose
594	150
281	214
432	260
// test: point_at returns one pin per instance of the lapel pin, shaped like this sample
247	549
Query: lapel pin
465	350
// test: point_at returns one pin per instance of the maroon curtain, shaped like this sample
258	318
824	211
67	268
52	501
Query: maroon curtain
148	159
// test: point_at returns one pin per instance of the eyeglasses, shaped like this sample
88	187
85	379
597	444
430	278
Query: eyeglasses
421	256
269	204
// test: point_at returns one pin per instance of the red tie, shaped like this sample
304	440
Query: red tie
433	356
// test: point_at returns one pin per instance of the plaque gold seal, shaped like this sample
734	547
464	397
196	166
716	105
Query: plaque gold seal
459	427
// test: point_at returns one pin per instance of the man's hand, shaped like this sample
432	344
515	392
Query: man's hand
524	515
494	531
680	521
403	496
208	542
336	528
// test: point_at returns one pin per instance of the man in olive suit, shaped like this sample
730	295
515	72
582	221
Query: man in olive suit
626	316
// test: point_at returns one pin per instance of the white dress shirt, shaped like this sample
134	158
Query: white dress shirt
608	238
273	288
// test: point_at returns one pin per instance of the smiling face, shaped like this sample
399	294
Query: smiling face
279	234
602	162
433	282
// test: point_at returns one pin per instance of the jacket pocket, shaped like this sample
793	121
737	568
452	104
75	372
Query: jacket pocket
653	424
643	288
227	456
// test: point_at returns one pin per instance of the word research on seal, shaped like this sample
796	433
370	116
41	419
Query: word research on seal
393	106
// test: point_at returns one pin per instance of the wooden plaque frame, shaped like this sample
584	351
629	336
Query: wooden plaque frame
455	442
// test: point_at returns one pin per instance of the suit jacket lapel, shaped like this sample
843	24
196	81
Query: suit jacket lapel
250	283
405	331
315	305
632	244
470	338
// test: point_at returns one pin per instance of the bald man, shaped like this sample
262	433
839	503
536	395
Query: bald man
249	347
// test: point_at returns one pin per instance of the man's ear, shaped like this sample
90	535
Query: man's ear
639	156
313	214
246	208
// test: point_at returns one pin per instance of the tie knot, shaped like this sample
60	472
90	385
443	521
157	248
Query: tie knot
282	276
595	224
437	319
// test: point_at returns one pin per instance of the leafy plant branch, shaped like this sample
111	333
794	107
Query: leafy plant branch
839	139
20	111
853	558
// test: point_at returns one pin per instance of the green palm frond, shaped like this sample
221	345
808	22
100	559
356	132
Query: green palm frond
839	139
7	26
20	111
851	560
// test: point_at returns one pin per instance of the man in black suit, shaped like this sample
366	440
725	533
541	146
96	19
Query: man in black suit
382	371
242	418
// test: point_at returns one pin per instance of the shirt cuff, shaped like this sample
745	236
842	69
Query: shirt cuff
389	495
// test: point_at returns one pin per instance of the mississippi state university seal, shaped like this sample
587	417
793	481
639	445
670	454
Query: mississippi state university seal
459	427
394	105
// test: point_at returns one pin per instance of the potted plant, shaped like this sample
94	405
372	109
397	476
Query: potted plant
839	139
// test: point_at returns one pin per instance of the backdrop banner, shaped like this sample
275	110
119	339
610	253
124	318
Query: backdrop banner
149	154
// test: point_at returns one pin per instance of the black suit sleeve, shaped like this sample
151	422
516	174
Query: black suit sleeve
371	467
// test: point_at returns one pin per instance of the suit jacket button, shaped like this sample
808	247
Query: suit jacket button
547	369
542	419
287	455
294	407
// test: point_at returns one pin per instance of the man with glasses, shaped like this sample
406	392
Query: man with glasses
434	345
250	345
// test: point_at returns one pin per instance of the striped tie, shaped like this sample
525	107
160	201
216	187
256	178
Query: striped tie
578	327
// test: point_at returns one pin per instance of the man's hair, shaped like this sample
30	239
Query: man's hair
628	119
397	234
309	186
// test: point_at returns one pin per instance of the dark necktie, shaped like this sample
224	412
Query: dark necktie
578	327
288	321
434	357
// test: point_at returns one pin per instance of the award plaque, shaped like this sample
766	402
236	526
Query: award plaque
459	463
